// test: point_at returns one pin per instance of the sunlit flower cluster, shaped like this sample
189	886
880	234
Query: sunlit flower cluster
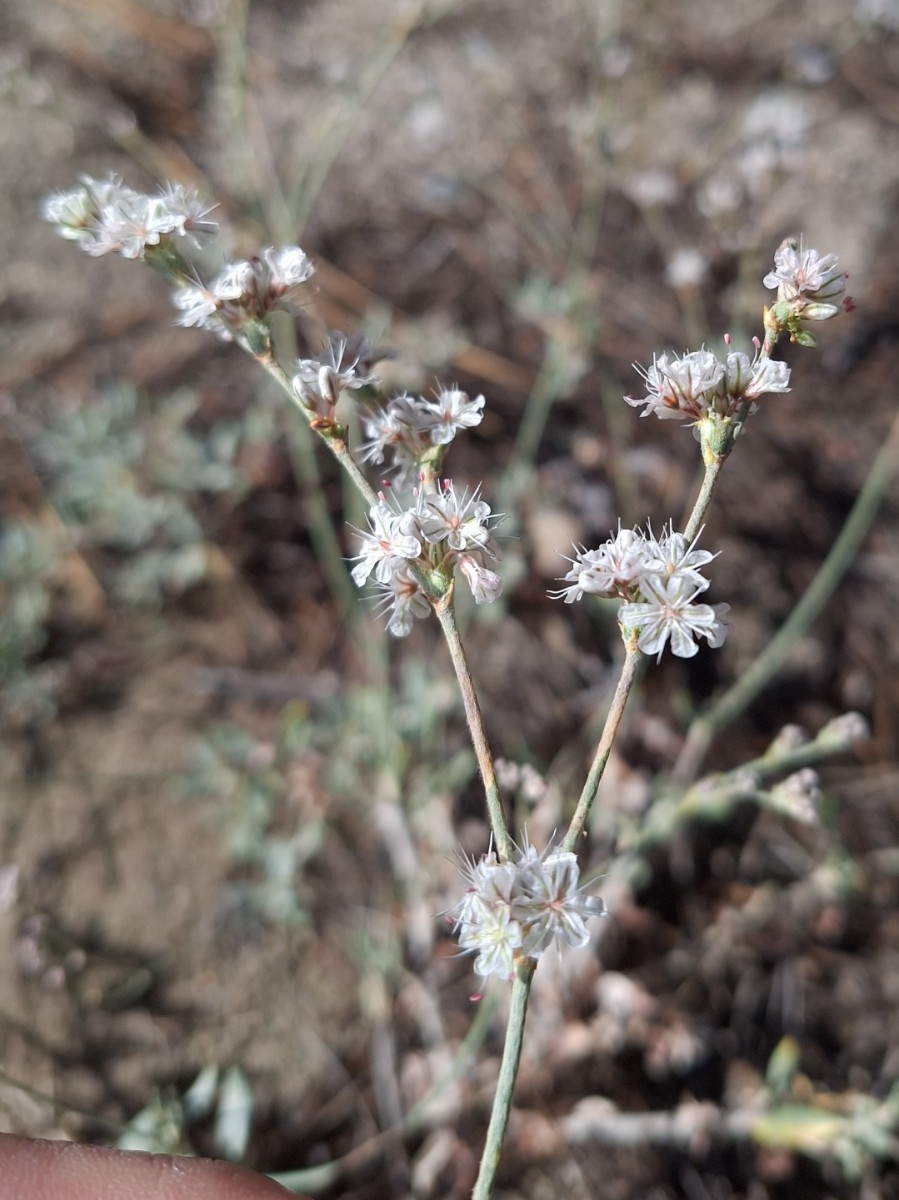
659	580
409	426
245	291
343	363
104	216
698	385
435	532
519	908
808	281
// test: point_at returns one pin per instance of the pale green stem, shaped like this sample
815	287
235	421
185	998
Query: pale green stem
771	660
632	660
502	1101
446	615
712	471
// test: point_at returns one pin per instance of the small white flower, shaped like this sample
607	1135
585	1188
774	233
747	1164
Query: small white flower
768	375
394	537
461	521
799	271
214	306
608	571
283	269
747	378
401	426
133	223
550	904
495	939
187	212
197	303
343	363
671	557
667	612
680	387
451	411
405	601
486	585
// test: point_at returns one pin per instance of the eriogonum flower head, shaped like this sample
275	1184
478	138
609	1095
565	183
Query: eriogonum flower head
428	538
659	580
608	571
680	387
343	363
809	281
402	427
411	427
245	291
521	907
106	216
701	388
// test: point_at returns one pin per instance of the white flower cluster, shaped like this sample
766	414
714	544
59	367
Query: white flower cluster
410	425
519	908
809	281
438	531
104	216
345	362
659	580
699	385
245	291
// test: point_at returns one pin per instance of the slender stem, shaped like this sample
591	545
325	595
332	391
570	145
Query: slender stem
697	516
502	1101
321	528
771	660
626	680
319	522
336	445
446	615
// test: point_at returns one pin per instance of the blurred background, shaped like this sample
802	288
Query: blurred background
230	808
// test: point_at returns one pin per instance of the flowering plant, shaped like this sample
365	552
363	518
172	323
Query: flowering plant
518	901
